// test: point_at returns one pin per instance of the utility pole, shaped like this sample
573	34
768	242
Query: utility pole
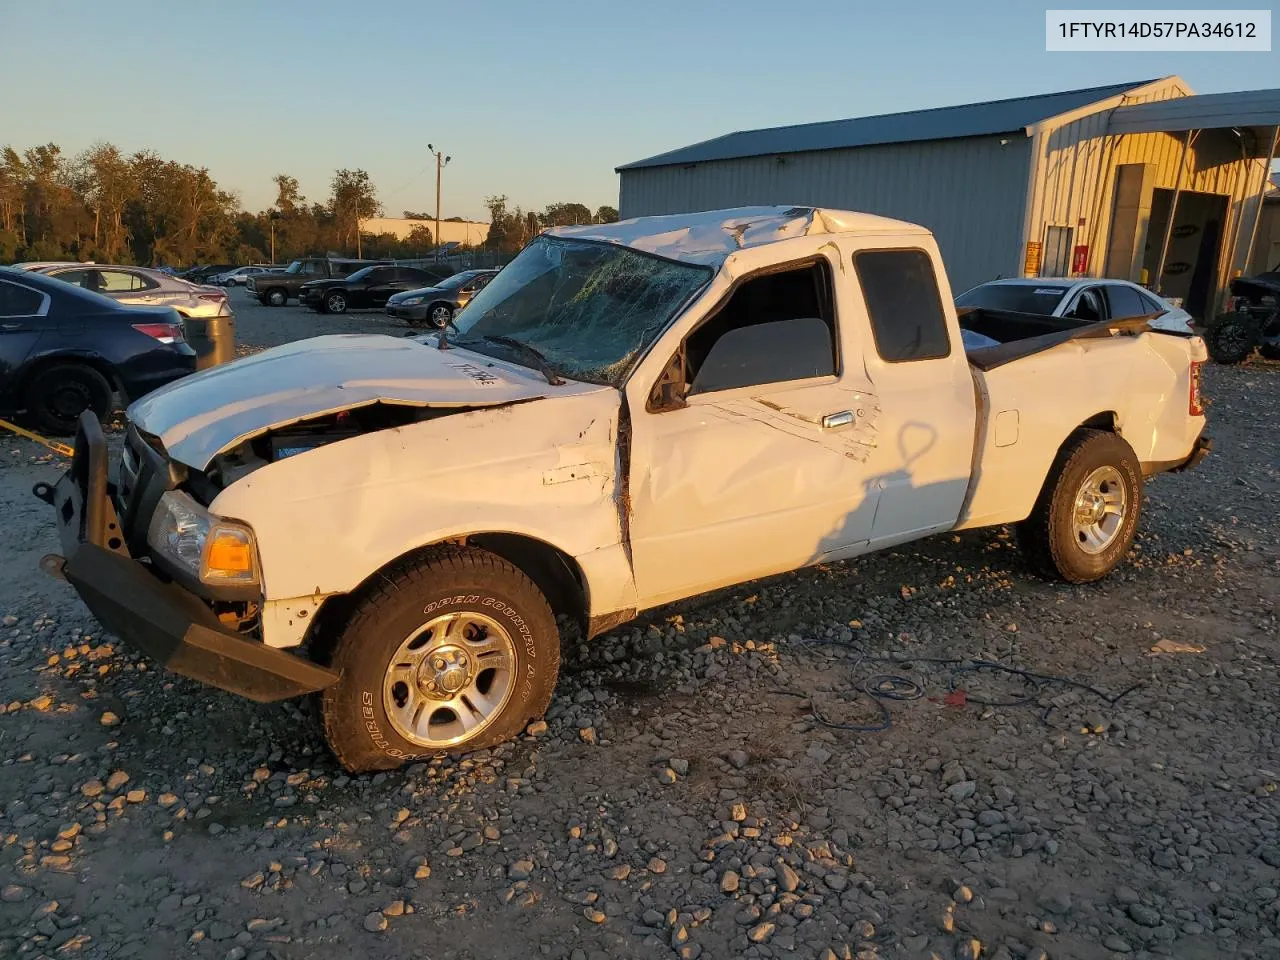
441	161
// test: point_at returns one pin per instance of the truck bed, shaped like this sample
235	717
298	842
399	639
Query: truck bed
1023	334
1117	375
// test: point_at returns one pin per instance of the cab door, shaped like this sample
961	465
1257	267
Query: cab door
751	454
923	457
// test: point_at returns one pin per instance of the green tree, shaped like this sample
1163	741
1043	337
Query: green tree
352	199
565	215
606	214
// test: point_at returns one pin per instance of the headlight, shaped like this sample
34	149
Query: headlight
214	550
411	301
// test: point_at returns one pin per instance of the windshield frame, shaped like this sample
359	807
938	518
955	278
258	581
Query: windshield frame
624	374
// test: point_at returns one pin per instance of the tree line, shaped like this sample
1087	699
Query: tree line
110	207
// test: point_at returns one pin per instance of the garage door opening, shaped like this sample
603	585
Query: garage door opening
1191	264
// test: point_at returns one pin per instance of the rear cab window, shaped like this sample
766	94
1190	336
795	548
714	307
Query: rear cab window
900	289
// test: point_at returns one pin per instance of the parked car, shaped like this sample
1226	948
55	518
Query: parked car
276	288
629	414
367	287
1086	299
437	304
237	277
210	321
64	350
203	273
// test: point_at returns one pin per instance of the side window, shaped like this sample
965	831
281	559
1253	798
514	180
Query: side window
18	301
773	328
1152	305
81	278
382	275
1088	307
482	281
312	269
120	281
411	275
901	293
1125	302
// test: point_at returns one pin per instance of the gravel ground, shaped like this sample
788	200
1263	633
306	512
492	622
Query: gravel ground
685	796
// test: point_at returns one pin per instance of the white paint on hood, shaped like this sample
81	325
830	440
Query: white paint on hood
199	417
711	237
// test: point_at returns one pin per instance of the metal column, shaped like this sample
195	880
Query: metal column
1173	211
1262	189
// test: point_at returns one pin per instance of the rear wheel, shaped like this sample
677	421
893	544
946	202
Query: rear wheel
335	302
57	395
448	654
1087	514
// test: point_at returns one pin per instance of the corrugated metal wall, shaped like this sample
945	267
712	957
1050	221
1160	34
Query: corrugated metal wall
970	192
1077	170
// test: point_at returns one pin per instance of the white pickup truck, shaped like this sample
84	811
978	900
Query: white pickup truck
626	416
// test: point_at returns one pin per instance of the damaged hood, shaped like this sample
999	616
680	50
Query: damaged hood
199	417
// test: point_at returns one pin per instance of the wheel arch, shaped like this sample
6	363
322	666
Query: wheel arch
42	363
554	572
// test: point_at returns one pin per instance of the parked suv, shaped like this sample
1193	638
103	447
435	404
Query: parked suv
274	289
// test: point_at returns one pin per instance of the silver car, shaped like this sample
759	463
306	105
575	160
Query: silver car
144	286
237	277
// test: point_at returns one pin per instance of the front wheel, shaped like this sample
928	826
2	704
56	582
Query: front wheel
450	653
441	314
276	298
335	303
1087	514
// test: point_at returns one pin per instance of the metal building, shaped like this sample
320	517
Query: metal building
1081	182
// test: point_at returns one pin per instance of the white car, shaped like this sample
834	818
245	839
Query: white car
627	415
1087	299
142	285
237	277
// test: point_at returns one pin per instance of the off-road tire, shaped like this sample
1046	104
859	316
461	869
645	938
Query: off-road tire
1047	538
355	721
58	394
1230	339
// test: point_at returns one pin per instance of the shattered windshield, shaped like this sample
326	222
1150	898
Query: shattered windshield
589	308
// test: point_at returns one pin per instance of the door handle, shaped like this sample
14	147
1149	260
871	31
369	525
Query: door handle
834	421
10	327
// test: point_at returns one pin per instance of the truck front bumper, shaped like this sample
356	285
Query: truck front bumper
169	624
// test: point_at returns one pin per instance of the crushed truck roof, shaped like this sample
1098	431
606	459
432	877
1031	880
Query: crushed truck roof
710	237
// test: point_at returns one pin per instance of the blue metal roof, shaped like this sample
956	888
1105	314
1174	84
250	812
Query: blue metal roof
939	123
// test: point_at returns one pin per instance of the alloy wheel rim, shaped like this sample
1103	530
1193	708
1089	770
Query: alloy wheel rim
449	680
1101	506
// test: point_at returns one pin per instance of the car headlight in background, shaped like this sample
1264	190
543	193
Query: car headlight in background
410	302
213	550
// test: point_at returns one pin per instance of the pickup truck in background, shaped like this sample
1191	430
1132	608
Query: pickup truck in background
276	287
627	415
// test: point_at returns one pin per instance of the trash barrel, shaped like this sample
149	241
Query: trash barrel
212	338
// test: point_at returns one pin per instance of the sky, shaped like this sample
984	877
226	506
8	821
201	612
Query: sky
536	99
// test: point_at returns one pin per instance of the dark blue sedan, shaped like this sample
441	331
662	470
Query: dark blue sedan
64	350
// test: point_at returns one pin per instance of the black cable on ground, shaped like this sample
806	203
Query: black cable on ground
884	687
890	687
